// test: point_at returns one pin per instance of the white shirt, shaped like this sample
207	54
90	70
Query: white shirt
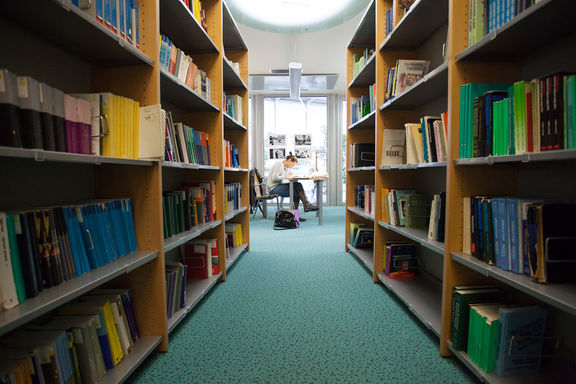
276	175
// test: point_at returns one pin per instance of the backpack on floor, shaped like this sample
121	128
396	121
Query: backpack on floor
287	219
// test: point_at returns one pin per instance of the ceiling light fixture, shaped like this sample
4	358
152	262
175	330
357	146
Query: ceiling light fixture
295	74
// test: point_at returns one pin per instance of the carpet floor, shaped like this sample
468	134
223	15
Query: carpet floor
297	308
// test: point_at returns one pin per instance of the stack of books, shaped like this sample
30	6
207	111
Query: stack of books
187	207
184	144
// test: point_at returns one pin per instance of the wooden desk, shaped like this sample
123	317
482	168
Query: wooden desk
318	181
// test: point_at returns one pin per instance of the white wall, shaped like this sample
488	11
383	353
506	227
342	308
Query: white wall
319	52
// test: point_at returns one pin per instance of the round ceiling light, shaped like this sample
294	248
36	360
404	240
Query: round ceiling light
294	16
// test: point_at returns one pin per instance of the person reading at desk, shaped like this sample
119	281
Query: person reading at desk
279	172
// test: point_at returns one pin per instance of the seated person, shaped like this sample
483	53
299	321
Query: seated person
278	173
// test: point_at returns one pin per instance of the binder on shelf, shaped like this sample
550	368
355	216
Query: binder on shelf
30	119
10	112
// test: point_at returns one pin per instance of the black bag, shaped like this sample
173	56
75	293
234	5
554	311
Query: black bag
287	219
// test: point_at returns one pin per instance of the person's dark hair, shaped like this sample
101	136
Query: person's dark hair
292	158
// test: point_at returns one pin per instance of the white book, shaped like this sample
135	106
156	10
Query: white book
393	143
432	227
182	142
151	138
8	293
411	153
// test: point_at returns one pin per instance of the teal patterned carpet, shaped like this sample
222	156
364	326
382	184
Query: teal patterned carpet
297	308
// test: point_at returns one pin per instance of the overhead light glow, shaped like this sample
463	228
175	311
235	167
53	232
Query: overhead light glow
294	15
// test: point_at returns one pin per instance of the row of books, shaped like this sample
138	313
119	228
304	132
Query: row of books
525	236
185	208
235	66
396	13
359	60
485	16
423	142
361	155
175	278
361	236
42	117
233	197
527	116
362	106
178	63
426	141
234	107
504	339
198	11
365	198
42	248
184	144
233	234
406	208
232	155
79	344
400	260
404	75
120	16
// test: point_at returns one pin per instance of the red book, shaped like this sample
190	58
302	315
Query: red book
198	261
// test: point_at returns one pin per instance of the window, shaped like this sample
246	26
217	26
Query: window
300	128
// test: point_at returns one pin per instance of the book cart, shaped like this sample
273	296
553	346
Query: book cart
59	44
522	49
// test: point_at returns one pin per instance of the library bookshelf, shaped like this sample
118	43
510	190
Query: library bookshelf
94	59
521	49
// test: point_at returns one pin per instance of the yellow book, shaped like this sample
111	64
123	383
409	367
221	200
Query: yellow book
416	129
136	127
90	305
197	11
238	230
383	194
108	139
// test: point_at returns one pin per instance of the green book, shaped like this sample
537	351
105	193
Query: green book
496	129
520	117
468	92
461	301
15	259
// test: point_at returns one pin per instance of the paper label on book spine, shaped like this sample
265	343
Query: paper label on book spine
41	92
77	333
17	225
23	87
2	82
79	214
199	249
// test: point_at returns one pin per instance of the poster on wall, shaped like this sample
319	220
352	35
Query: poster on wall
302	140
277	141
277	153
302	153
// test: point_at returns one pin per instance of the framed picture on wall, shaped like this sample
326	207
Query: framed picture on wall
277	153
302	140
277	140
302	153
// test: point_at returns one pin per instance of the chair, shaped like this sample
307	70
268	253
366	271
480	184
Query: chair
260	193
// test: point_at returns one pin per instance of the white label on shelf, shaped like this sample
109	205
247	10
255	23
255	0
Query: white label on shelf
2	85
22	87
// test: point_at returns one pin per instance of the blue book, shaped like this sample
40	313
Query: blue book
122	18
128	15
496	225
513	227
520	342
82	249
120	228
424	141
136	26
504	244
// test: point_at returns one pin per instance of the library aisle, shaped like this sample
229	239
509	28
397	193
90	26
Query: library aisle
298	310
